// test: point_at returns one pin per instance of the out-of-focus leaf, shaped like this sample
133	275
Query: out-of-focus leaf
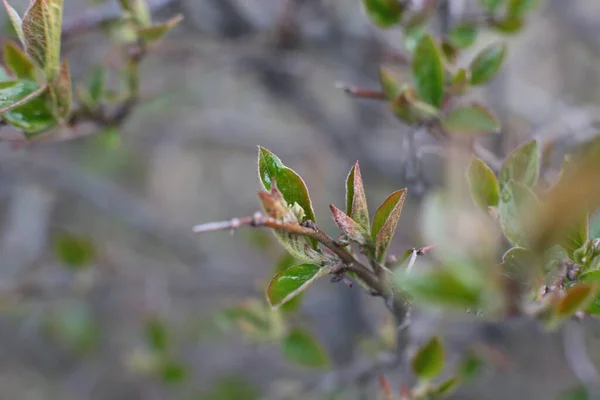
577	297
16	60
460	82
449	50
522	165
289	283
97	84
15	21
383	13
487	63
595	227
385	222
158	31
517	202
463	35
172	372
508	25
74	326
439	288
491	6
484	185
356	199
408	107
575	236
291	185
518	8
300	347
470	366
447	387
413	36
61	92
231	387
4	77
73	250
522	267
156	334
389	83
428	71
287	261
578	393
349	227
589	276
471	119
429	360
251	318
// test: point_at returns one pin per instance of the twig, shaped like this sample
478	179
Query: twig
361	93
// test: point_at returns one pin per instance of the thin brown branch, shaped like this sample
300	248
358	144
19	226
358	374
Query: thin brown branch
25	99
361	93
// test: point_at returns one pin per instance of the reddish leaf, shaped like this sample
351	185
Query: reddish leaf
356	199
350	227
385	222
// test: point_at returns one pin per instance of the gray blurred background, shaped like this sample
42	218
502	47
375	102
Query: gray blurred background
234	75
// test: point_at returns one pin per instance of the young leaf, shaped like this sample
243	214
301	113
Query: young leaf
463	35
518	8
491	6
350	227
383	13
470	120
74	251
516	202
429	360
522	165
16	93
484	185
289	283
389	83
385	222
287	261
158	31
589	276
508	25
447	387
300	347
62	94
291	185
575	236
37	32
17	61
54	44
428	71
487	63
356	199
577	297
16	21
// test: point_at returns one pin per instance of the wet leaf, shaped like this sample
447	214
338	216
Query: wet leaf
487	63
73	250
349	227
356	199
522	165
383	13
16	60
429	360
385	222
301	348
291	185
428	71
289	283
15	21
389	83
517	202
491	6
471	119
463	34
158	31
577	297
484	185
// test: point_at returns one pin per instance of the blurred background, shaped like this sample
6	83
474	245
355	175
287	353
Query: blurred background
234	75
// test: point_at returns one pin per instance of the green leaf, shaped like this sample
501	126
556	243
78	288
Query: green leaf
385	222
231	387
172	372
250	319
36	29
61	92
575	236
301	348
158	31
508	25
289	182
412	37
491	6
383	13
470	120
522	267
350	227
518	8
487	63
516	202
74	251
577	393
15	20
53	67
577	297
450	51
447	387
17	62
463	34
439	288
156	334
429	360
356	199
27	105
97	84
389	83
522	165
287	261
289	283
428	71
484	185
589	276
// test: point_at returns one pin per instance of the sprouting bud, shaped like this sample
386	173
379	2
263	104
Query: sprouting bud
298	211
